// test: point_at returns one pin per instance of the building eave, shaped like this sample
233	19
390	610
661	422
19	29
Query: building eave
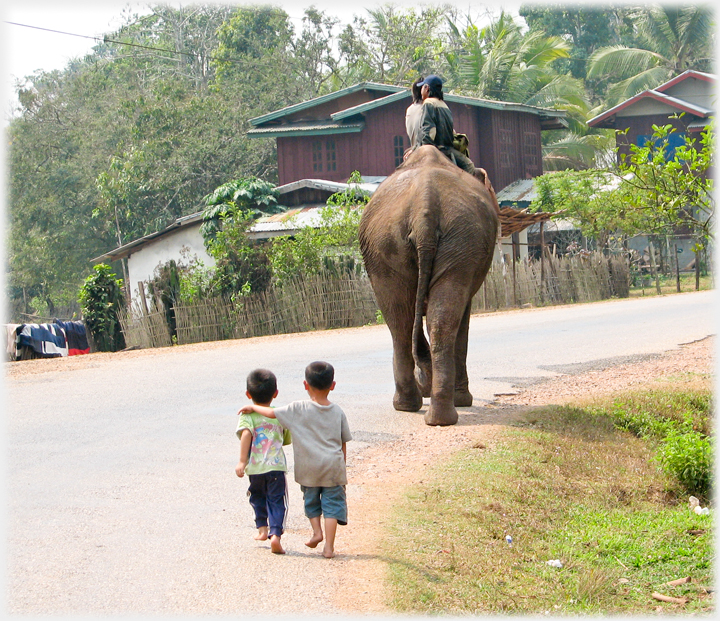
550	118
299	107
317	128
127	249
690	73
370	105
608	119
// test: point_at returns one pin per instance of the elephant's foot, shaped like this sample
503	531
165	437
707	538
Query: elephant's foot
463	399
408	401
441	415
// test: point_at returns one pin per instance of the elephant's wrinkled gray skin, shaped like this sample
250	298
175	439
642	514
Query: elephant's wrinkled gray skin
427	238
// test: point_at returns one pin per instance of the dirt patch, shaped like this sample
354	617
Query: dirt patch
379	474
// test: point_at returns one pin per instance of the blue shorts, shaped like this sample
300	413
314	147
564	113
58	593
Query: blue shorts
327	501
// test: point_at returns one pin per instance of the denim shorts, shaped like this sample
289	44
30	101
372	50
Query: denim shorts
327	501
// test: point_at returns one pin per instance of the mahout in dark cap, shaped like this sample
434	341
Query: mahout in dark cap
432	81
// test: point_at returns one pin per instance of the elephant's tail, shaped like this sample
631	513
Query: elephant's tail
420	348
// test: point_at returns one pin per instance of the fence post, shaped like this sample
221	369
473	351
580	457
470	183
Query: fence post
677	269
653	267
514	265
143	300
542	261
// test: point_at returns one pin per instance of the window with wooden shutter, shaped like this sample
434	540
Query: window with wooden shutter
399	149
317	156
330	157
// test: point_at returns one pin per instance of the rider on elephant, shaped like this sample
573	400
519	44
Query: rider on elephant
412	115
434	125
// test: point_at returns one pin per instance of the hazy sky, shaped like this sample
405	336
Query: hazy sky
25	50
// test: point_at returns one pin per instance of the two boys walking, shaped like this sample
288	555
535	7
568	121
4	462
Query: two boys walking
319	431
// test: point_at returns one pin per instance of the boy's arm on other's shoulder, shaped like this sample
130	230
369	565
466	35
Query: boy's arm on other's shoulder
260	409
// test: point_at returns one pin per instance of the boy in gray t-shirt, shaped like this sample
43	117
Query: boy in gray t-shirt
320	432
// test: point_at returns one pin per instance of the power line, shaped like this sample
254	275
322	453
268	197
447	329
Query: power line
105	39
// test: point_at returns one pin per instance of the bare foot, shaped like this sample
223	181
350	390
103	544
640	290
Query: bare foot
275	545
328	552
314	540
262	534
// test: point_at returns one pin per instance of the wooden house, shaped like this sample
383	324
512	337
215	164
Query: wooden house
691	93
362	128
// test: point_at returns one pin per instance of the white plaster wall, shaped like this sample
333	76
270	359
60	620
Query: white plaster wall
506	244
142	264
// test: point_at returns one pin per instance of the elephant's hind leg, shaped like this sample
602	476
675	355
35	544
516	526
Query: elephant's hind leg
443	320
463	397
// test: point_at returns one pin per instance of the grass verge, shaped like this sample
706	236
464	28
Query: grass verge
565	485
668	285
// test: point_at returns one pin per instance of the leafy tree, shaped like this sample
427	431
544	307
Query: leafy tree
101	299
585	197
260	42
315	248
587	27
652	192
313	51
670	40
353	196
502	62
392	45
114	147
672	190
242	265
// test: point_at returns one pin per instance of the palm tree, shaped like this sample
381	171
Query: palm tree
670	40
502	62
249	198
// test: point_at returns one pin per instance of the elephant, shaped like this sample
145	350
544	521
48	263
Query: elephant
427	238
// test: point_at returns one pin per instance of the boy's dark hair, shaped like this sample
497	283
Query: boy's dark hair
261	384
320	375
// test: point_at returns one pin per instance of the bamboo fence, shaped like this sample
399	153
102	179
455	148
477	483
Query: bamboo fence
313	303
329	301
145	327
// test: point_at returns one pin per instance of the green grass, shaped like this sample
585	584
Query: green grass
566	485
668	285
678	423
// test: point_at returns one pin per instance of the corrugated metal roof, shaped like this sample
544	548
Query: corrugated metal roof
290	220
369	184
522	190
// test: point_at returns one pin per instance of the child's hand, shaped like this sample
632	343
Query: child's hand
240	470
246	409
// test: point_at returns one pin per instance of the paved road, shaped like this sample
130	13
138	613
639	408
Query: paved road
122	494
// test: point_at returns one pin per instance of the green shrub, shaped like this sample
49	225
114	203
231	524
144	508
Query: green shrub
680	423
101	297
688	456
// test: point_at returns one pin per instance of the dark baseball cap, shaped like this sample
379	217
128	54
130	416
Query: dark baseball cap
432	81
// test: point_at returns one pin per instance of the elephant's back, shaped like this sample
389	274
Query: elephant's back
434	204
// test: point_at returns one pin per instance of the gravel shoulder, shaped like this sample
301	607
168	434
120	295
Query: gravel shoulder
380	473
